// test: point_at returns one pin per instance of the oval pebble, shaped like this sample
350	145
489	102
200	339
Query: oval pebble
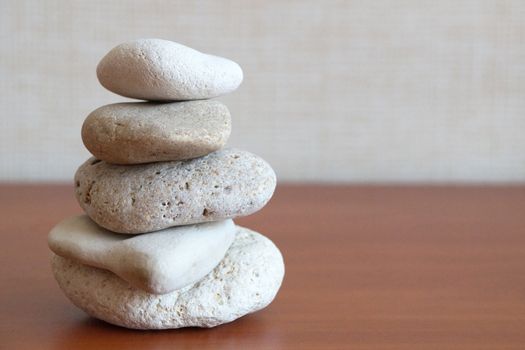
246	280
147	197
141	132
162	70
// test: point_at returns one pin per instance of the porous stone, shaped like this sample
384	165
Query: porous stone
246	280
141	198
158	262
160	70
142	132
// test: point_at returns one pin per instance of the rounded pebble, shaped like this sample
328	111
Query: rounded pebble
147	197
162	70
246	280
142	132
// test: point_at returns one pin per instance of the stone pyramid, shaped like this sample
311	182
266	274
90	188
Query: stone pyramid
157	247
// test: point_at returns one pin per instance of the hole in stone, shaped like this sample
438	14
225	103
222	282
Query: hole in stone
87	198
187	185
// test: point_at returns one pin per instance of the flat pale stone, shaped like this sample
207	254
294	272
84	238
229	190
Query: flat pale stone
141	198
246	280
141	132
162	70
158	262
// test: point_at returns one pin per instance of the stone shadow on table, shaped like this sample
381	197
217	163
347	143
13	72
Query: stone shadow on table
248	331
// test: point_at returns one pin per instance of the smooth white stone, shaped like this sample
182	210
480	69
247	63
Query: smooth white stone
162	70
157	262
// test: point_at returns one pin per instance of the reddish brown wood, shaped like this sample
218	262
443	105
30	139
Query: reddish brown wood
367	268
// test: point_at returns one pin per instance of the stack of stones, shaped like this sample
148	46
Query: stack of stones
158	248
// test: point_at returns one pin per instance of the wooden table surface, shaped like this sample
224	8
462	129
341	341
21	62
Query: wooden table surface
366	268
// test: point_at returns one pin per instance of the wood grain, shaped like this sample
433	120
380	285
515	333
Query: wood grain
367	268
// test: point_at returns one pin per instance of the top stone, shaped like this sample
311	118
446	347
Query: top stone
162	70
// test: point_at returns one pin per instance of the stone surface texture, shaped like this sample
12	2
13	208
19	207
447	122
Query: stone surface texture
158	262
141	132
162	70
246	280
142	198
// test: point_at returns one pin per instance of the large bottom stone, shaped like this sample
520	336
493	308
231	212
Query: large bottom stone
245	281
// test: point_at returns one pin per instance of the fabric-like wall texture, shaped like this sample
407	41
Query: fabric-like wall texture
357	91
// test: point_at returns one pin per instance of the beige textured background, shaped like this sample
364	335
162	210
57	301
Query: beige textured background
333	91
